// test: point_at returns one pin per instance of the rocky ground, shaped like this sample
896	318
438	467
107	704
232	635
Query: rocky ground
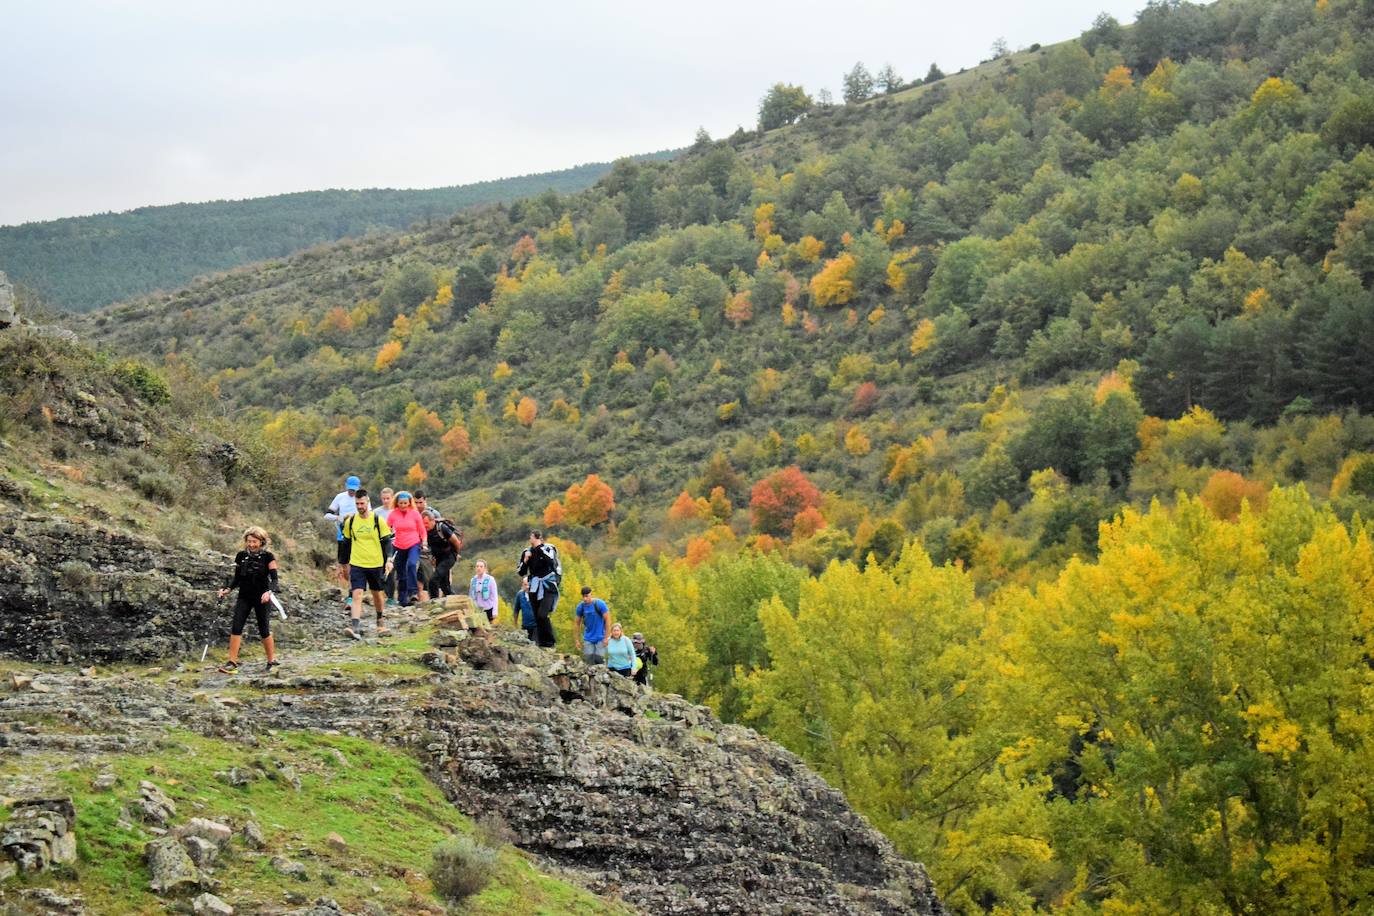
639	797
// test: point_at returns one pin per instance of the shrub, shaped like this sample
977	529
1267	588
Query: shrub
147	384
494	831
461	867
77	577
160	486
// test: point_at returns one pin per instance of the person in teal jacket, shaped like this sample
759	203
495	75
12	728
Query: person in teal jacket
620	652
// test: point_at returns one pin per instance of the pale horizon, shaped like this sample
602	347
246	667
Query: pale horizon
155	103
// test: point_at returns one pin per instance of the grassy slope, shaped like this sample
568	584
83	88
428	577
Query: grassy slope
377	799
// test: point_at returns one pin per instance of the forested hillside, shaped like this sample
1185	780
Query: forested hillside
836	411
84	262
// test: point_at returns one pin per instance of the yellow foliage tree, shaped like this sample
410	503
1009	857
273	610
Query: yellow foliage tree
856	443
387	355
763	220
923	337
808	249
832	284
415	476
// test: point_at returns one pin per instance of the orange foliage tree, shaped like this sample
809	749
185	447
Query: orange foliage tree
1226	490
526	410
807	522
524	249
776	499
590	502
553	514
457	446
739	308
683	509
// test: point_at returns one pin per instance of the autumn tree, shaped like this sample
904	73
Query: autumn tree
1226	491
590	502
776	499
832	284
415	476
684	509
739	308
457	446
526	410
865	397
554	514
387	355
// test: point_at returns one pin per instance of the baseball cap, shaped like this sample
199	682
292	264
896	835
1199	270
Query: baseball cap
352	483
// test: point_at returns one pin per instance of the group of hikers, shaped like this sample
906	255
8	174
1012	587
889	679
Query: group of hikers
403	552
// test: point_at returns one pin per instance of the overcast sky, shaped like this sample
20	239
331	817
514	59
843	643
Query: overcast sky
113	104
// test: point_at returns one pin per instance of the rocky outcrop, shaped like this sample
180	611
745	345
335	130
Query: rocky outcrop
651	796
9	315
72	592
40	833
642	796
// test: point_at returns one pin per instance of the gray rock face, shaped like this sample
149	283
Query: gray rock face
71	592
680	813
39	834
170	869
8	314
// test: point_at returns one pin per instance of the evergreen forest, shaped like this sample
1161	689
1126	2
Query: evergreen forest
84	262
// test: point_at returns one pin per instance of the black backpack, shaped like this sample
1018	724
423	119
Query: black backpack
376	524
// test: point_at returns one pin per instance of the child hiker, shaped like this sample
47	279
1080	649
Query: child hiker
255	576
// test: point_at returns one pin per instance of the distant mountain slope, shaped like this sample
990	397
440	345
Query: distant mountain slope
84	262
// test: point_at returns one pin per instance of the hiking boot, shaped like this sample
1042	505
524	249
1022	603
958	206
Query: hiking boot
354	629
382	629
272	667
230	667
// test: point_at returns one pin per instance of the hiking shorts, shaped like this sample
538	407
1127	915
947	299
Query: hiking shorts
593	653
360	577
345	548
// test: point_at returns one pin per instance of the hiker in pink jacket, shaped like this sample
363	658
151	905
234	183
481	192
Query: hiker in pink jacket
408	527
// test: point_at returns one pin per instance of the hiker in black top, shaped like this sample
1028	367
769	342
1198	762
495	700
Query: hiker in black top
444	543
539	564
255	576
648	655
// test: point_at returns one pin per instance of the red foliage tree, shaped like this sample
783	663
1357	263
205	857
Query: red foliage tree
777	498
865	396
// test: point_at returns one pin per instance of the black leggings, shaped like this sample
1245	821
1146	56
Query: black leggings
543	619
242	607
440	583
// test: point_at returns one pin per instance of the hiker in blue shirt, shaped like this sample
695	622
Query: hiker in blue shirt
524	610
592	617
